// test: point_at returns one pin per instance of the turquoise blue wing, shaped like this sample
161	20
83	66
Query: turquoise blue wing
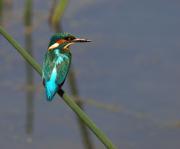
49	75
63	65
48	65
54	73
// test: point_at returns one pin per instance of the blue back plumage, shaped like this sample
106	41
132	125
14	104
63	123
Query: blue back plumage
54	72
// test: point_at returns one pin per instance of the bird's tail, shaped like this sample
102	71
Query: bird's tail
50	93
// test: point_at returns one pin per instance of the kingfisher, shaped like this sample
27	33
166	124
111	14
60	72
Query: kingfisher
57	62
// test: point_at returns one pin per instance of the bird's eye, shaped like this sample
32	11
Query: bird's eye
69	39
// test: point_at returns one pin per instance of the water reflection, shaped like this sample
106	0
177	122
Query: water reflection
29	70
30	89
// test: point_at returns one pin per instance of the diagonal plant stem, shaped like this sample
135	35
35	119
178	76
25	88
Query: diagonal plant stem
71	103
21	50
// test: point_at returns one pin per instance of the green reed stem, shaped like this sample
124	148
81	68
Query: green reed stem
28	13
28	10
70	102
1	10
59	11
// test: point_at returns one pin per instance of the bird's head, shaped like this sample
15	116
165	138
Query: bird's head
63	41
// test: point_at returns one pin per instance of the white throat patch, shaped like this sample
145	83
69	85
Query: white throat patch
55	45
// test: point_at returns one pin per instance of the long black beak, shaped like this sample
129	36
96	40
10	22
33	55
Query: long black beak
81	40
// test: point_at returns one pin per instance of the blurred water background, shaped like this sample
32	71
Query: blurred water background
128	77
